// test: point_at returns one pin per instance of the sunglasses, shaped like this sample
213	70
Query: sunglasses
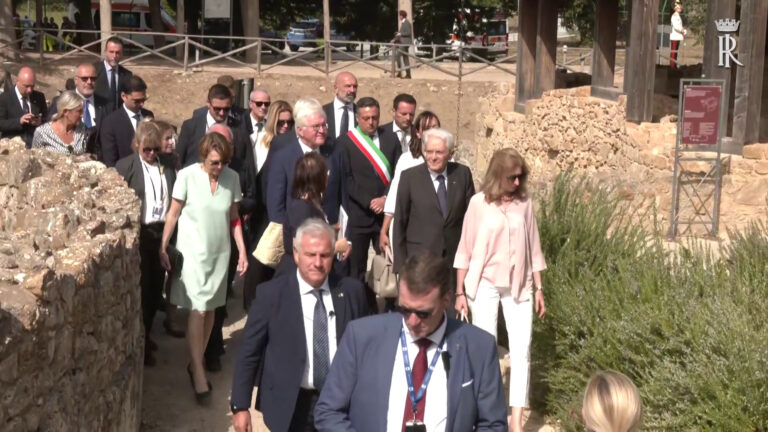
281	123
87	78
260	103
512	178
406	312
149	150
221	109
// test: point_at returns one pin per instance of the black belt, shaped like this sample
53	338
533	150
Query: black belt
308	392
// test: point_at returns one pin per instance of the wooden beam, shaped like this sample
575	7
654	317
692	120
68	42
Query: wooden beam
251	25
327	35
749	78
641	55
7	32
604	49
526	52
105	21
181	27
716	9
546	48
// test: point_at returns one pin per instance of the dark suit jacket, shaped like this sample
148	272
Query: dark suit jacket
362	182
299	210
330	117
355	396
11	113
280	166
388	130
238	115
274	339
132	171
417	219
116	135
101	88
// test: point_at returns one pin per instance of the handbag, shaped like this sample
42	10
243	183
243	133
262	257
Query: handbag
177	260
270	249
381	278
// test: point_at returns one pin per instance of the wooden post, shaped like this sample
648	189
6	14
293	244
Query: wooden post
251	27
641	56
718	9
105	20
181	28
39	23
327	35
526	52
7	31
749	78
546	48
604	50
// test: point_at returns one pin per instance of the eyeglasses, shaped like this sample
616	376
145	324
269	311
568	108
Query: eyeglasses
87	78
318	127
149	150
406	312
281	123
514	177
260	103
221	109
218	163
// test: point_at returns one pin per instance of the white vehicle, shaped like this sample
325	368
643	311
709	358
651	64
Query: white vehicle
134	16
490	40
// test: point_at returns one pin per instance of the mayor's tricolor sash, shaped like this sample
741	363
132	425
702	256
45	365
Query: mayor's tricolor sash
372	153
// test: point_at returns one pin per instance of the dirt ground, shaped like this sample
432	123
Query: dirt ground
168	402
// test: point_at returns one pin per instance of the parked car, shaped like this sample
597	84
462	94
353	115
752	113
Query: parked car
307	32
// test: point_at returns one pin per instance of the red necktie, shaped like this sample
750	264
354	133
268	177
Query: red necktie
418	370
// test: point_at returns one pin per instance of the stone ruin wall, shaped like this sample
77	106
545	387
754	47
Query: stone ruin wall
71	338
568	129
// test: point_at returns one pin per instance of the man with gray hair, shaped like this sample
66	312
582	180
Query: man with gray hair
437	190
311	132
294	326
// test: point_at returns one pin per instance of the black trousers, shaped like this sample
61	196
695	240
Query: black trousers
257	273
358	259
303	419
152	273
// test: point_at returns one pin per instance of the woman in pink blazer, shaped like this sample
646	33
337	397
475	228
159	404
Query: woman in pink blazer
499	259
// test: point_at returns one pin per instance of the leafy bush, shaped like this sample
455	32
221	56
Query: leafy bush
688	328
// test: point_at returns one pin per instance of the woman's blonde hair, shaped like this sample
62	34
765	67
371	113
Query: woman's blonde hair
612	403
68	100
147	132
503	163
275	109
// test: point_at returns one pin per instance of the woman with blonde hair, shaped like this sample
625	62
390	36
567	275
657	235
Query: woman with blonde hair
65	133
279	121
499	260
611	403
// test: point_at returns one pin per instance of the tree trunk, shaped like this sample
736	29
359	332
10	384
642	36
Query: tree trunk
84	21
251	25
7	32
105	21
181	26
157	23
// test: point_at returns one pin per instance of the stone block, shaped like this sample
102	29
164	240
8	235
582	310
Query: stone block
761	167
755	151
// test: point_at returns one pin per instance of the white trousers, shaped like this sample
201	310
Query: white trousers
518	317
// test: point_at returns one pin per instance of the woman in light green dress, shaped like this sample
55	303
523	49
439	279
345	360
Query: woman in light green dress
205	204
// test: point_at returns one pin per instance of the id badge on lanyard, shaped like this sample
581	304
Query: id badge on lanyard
416	425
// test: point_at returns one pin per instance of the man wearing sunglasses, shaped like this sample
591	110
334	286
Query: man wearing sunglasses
451	366
94	107
117	130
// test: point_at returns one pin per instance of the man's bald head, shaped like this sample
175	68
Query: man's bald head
85	79
345	87
223	130
25	80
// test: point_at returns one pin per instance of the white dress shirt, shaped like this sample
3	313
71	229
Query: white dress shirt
259	151
108	70
210	121
434	175
399	132
91	108
155	193
337	110
436	405
305	148
131	115
308	301
21	99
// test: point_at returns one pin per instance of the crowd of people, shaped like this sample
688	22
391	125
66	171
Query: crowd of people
309	189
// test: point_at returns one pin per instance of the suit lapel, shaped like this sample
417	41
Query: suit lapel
339	306
386	359
294	317
453	191
459	373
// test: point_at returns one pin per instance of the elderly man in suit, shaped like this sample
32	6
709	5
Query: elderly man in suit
380	357
110	74
435	191
368	163
22	108
116	131
404	36
293	328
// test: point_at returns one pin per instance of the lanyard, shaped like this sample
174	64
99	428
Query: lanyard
415	398
154	194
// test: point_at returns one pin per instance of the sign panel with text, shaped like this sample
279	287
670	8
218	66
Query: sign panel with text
700	115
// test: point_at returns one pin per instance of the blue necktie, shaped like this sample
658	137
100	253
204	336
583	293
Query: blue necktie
87	115
442	195
321	359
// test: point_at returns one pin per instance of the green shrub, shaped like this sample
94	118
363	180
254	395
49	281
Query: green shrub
688	328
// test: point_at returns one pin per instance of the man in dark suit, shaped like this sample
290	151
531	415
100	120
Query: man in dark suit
116	131
94	107
341	112
403	113
293	328
367	389
154	193
437	190
22	109
368	163
236	113
109	74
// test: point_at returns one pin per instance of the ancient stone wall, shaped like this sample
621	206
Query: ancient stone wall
71	345
568	129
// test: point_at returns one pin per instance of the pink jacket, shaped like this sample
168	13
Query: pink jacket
495	245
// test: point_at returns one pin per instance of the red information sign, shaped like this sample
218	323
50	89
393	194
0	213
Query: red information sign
701	115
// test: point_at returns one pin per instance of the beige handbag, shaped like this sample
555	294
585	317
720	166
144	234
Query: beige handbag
270	249
381	278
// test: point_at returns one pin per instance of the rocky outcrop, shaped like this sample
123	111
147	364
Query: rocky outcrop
71	345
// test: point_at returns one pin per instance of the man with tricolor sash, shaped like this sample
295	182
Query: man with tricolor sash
368	164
